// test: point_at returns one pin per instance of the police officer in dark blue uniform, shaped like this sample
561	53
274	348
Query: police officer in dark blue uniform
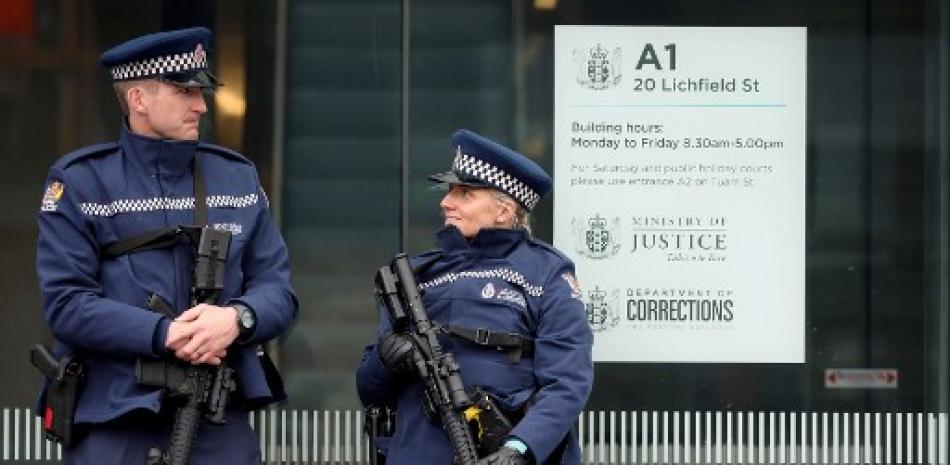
159	176
490	278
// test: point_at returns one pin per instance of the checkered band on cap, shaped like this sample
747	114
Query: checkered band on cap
479	169
158	66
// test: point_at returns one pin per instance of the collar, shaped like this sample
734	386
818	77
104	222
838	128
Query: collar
491	242
157	156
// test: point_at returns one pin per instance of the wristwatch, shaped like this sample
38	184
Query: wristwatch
245	319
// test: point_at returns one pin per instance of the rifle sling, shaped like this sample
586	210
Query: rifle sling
163	237
517	346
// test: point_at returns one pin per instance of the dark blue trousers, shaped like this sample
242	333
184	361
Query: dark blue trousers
127	440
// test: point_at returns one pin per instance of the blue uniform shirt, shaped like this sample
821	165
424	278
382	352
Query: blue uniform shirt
97	307
502	281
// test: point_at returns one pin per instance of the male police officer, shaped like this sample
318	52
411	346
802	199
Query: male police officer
510	306
156	177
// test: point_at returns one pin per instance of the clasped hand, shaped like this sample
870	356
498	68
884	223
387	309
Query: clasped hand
202	334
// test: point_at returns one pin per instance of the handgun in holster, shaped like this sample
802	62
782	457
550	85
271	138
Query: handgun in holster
65	379
489	423
379	426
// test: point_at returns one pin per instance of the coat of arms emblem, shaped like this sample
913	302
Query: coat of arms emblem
601	309
597	237
598	68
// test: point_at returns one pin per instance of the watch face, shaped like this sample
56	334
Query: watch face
247	318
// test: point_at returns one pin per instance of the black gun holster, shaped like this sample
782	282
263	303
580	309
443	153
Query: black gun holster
489	422
65	378
379	424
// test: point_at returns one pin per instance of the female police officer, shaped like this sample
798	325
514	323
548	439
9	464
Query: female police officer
491	277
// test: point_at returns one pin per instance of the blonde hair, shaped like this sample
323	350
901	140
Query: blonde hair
522	219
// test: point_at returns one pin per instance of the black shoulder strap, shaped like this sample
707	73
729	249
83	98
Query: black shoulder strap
201	198
517	346
155	239
164	237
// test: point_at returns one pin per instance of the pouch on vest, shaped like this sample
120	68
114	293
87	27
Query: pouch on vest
64	381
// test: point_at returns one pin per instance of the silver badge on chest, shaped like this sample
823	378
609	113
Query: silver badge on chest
488	291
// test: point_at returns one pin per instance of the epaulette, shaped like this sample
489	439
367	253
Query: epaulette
428	253
224	152
85	153
550	248
422	262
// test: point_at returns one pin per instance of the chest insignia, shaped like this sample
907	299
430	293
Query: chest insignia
233	228
488	291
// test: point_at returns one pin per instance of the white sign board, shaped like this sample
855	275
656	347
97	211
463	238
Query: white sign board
680	189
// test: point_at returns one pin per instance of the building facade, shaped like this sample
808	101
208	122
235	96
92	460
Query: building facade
346	106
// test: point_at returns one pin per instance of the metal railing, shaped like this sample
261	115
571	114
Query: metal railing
607	437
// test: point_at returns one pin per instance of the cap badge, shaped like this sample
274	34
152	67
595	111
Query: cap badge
200	53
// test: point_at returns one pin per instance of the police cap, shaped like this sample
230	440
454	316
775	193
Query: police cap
179	57
481	162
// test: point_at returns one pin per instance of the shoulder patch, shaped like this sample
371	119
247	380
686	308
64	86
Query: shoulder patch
223	152
85	153
52	195
574	284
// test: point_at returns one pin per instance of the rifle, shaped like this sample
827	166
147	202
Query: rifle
445	395
205	388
